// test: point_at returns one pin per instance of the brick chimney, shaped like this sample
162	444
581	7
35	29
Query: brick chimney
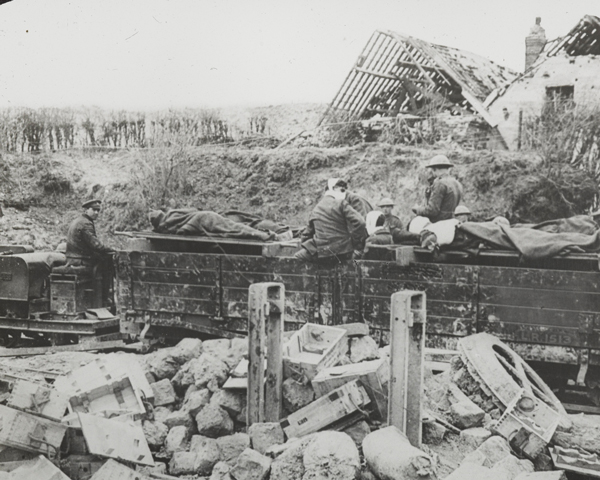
534	43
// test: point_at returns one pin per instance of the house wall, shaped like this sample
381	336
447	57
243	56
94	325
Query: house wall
529	92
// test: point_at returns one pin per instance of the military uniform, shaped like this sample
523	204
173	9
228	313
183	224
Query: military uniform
446	193
83	243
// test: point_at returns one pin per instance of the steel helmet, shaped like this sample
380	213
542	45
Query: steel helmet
440	161
462	210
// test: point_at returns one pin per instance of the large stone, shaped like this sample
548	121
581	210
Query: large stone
164	393
161	413
155	433
165	363
511	467
180	417
230	401
332	456
296	395
554	475
221	472
358	431
470	471
362	349
205	371
489	452
289	464
231	446
466	414
433	433
196	400
212	421
207	454
251	465
176	440
390	456
264	435
182	463
474	437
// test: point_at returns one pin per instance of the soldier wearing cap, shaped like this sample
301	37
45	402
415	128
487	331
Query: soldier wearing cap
446	191
83	245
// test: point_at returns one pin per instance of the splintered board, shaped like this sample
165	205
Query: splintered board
326	410
115	439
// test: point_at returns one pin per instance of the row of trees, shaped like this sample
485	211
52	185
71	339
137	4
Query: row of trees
49	129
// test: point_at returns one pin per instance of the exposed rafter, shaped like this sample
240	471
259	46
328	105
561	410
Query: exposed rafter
400	74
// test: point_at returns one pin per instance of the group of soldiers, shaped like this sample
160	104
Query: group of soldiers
343	225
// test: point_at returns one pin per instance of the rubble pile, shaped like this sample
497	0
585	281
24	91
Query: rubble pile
180	412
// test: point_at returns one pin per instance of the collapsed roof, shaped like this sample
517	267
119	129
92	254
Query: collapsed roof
583	39
400	74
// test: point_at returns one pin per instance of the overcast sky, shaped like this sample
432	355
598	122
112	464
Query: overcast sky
148	54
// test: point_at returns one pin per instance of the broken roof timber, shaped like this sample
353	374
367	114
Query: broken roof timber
385	76
583	39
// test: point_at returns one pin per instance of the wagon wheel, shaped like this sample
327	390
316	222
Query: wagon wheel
9	338
505	374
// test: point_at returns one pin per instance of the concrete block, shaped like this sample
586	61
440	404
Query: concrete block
264	435
182	463
251	465
296	395
433	433
511	467
196	400
362	349
159	468
155	433
466	414
206	371
180	417
231	401
474	437
358	431
389	454
207	454
231	446
176	440
164	393
489	452
212	421
160	413
221	472
331	455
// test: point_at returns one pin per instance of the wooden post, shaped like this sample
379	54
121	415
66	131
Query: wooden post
407	319
265	336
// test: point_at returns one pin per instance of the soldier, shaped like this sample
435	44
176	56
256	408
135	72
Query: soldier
462	213
335	230
85	249
392	222
446	191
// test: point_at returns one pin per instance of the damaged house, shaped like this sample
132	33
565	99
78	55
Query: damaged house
418	86
557	73
423	86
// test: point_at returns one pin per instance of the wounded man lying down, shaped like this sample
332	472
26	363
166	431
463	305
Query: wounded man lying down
190	221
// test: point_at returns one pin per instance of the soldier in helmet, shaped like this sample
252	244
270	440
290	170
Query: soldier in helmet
446	191
392	222
462	213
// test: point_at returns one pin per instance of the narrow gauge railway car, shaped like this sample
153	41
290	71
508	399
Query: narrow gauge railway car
548	311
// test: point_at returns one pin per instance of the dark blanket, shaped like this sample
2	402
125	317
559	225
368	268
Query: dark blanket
530	242
189	221
577	224
255	221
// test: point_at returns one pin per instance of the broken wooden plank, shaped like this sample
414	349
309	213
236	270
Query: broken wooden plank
28	432
79	347
114	439
326	410
39	468
38	399
113	470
